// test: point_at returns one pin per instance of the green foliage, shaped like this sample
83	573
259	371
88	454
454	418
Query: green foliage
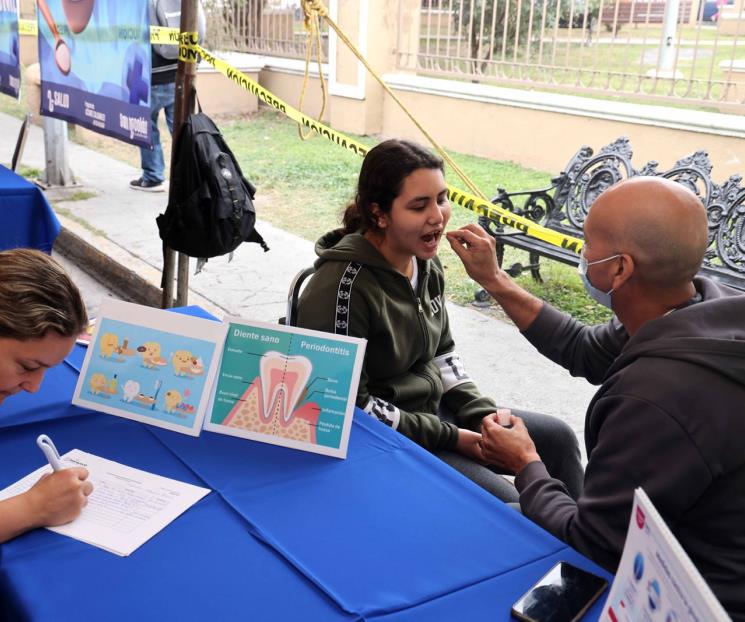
488	32
575	10
29	172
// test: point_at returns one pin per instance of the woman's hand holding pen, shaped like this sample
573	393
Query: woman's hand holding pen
59	497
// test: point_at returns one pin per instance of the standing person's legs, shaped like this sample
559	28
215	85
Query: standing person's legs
169	100
153	164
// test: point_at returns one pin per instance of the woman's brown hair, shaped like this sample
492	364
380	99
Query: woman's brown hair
37	296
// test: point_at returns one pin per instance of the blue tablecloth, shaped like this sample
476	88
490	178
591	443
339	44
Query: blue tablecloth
390	534
27	220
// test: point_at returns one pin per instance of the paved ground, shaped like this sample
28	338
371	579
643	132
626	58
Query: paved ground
121	222
92	290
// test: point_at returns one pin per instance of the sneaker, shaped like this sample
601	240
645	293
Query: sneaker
147	186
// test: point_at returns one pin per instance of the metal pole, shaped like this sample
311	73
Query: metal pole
185	78
667	51
58	171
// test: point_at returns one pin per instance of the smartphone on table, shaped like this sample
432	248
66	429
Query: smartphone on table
563	594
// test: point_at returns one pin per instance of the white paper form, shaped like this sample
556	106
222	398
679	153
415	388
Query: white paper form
127	506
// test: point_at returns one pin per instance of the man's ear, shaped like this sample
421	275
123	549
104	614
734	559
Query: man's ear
625	268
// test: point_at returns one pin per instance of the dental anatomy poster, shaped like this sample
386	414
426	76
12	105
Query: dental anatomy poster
287	386
95	65
656	580
150	365
10	68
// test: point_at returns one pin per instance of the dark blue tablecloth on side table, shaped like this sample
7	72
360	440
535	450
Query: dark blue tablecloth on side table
390	534
27	219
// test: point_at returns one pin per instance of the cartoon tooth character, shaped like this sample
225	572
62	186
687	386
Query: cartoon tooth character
130	390
173	399
98	384
182	362
151	357
108	344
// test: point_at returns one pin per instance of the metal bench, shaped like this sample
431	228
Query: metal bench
615	15
564	204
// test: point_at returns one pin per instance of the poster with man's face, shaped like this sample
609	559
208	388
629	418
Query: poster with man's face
95	65
10	69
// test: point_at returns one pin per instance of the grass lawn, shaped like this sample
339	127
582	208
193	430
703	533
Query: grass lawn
310	182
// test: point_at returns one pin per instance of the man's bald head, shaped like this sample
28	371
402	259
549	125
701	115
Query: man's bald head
660	223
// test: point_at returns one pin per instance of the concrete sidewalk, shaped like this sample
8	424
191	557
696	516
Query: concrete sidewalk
119	223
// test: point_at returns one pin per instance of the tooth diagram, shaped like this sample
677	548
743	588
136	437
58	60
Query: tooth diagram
269	405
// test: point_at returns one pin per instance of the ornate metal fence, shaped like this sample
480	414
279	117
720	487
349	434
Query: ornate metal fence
672	51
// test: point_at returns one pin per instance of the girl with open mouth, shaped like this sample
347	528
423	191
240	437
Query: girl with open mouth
379	278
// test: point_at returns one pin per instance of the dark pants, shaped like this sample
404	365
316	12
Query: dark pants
162	97
556	444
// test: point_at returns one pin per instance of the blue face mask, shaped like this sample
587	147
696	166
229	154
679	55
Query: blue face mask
597	295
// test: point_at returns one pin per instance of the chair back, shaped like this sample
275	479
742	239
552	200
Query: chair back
20	143
293	295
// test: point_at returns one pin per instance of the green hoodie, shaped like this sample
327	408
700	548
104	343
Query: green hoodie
410	366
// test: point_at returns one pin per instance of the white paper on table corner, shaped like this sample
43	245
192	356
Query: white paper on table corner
127	507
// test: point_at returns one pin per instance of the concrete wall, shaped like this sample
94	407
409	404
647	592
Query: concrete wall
543	131
287	86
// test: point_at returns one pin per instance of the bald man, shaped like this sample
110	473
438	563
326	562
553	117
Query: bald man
669	415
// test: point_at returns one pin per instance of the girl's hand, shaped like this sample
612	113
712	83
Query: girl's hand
469	445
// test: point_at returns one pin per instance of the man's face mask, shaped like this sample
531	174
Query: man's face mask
597	295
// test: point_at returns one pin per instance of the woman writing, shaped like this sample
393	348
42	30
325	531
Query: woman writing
379	278
41	314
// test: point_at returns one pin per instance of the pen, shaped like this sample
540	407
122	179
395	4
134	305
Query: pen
50	451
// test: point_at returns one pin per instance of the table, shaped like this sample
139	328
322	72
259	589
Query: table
390	534
27	219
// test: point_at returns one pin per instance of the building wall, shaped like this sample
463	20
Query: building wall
546	140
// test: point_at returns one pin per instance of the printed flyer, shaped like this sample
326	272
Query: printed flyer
95	65
656	580
287	386
10	68
151	365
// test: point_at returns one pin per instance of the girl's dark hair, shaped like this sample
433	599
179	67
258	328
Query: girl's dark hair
37	296
381	178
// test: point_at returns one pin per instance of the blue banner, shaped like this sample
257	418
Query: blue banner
10	69
95	65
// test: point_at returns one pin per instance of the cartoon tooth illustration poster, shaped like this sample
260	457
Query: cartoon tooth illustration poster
150	365
287	386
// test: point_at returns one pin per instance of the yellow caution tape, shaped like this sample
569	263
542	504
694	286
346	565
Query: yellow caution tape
455	195
164	36
189	51
28	27
158	34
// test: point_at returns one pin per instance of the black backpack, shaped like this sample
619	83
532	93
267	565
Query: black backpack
210	209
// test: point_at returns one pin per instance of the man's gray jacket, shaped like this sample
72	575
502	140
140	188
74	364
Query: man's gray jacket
669	416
